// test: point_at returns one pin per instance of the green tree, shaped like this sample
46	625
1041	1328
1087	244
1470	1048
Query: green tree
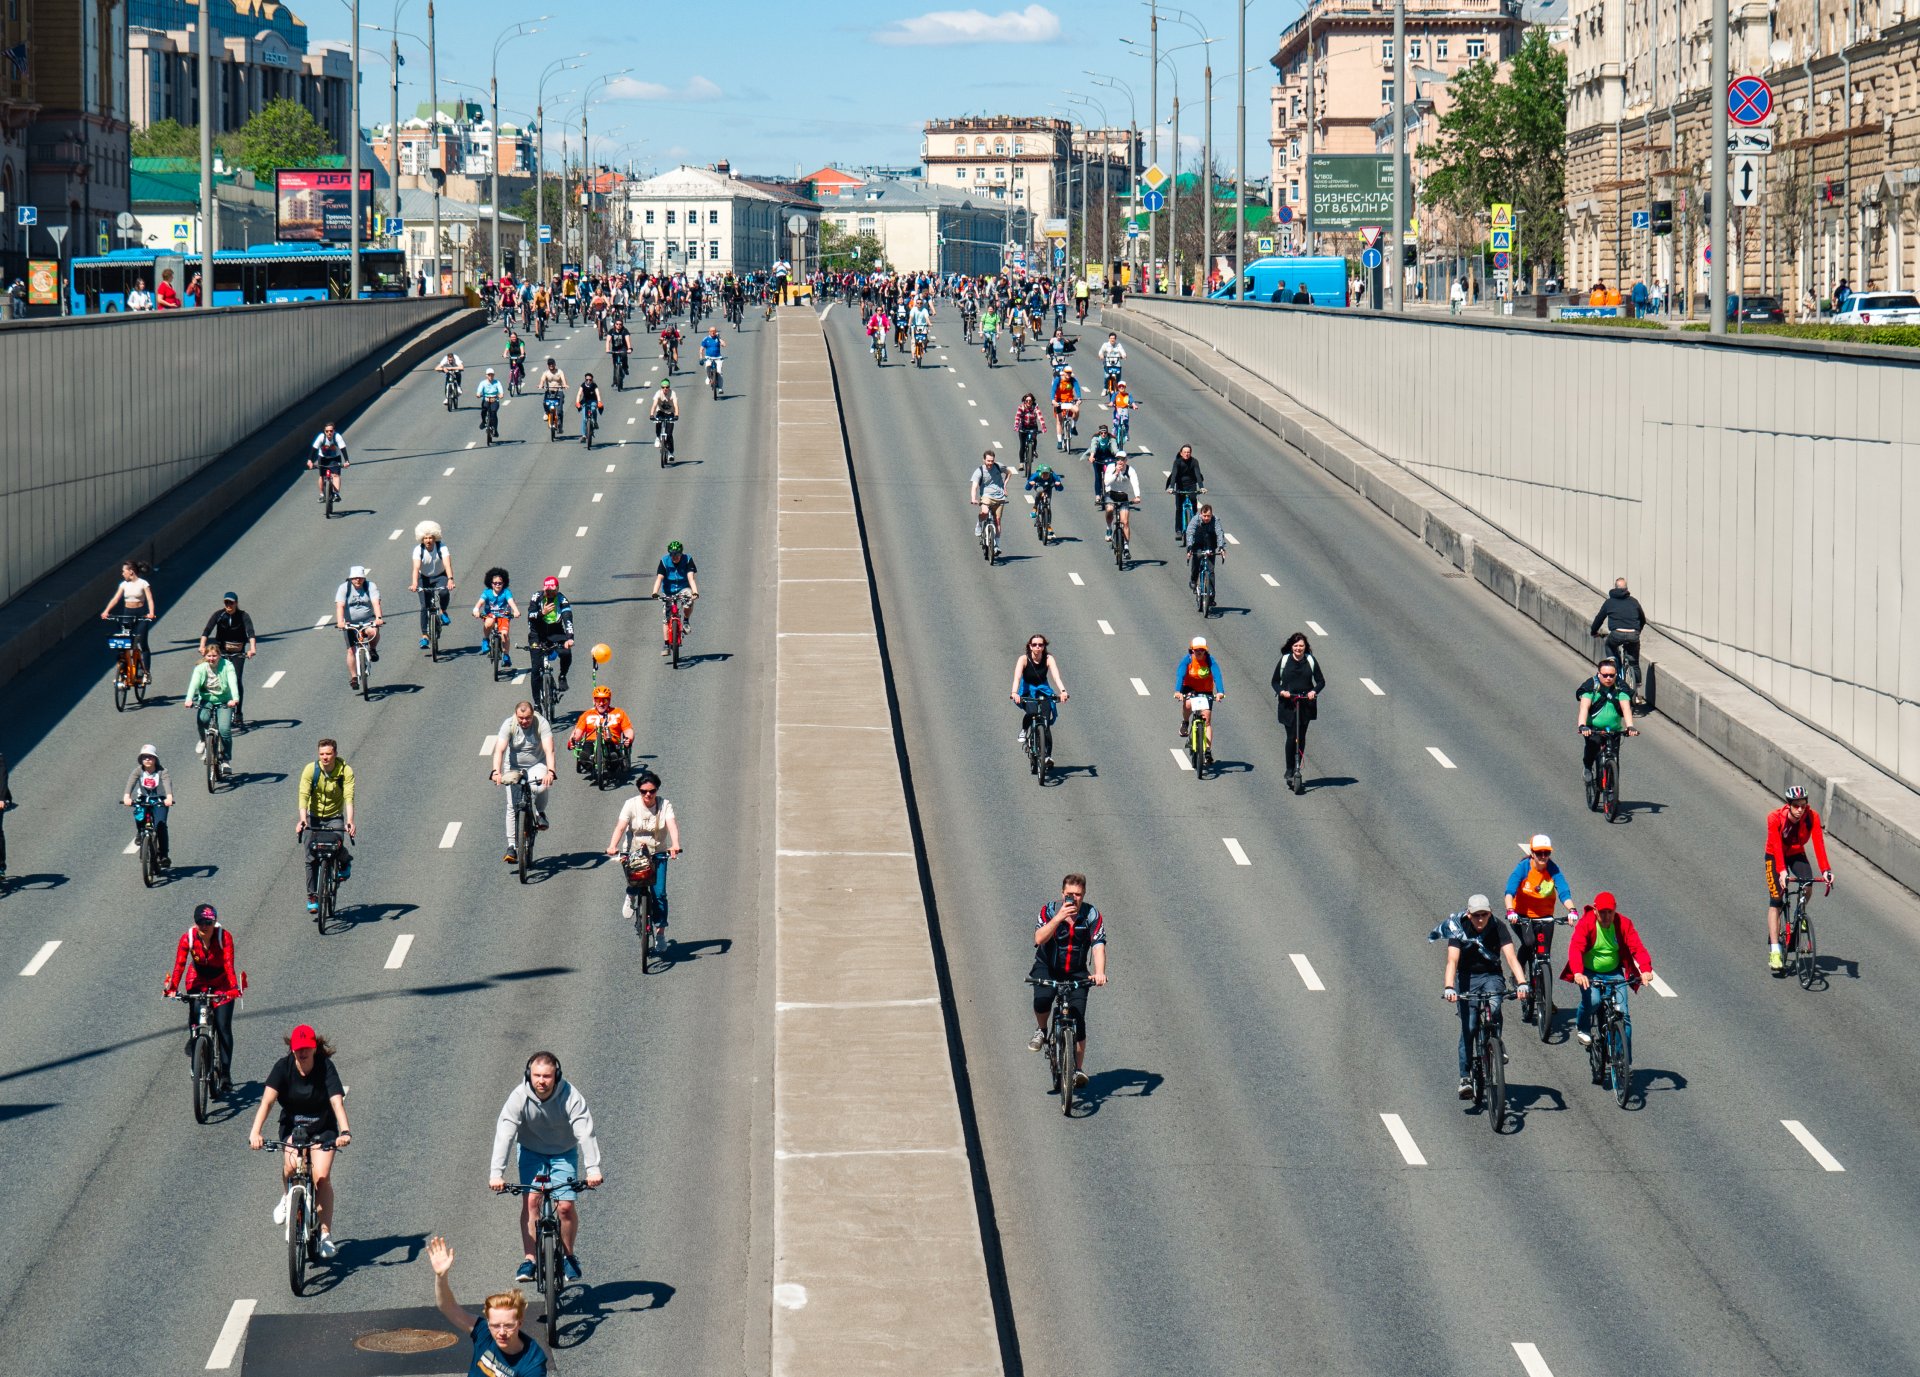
1506	141
283	134
166	138
840	250
551	201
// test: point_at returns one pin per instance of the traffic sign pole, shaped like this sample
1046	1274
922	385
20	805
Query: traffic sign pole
1717	217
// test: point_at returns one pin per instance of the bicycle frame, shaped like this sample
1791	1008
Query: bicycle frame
1060	1040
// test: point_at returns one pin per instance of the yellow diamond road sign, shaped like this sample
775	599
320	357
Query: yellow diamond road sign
1155	177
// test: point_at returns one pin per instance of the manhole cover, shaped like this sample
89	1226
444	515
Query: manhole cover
405	1340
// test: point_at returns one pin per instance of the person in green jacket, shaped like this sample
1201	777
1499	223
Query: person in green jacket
212	693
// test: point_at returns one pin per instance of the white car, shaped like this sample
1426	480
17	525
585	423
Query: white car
1880	308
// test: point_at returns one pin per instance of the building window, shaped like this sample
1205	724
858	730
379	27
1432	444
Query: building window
961	173
713	248
1293	149
1019	174
1386	98
979	174
999	174
1476	47
1296	107
867	224
999	148
1386	50
673	248
670	216
1413	50
649	217
1293	191
1440	48
960	145
713	217
1019	195
980	148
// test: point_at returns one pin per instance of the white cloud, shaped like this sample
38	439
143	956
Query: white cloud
626	88
1034	24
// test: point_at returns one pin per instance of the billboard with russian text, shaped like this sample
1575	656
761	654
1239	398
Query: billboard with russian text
314	206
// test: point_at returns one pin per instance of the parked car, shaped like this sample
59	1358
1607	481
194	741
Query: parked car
1757	309
1880	308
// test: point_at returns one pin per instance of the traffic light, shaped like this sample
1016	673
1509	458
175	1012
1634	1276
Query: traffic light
1662	217
1410	255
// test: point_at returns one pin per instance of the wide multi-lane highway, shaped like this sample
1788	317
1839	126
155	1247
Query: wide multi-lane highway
133	1234
1238	1199
1273	1173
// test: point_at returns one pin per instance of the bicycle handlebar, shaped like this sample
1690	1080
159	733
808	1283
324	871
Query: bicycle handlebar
1483	996
211	996
579	1183
1065	985
308	1146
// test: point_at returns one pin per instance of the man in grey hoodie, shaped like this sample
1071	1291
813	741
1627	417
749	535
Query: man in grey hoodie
550	1118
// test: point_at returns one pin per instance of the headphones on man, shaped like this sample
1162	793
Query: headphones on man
558	1073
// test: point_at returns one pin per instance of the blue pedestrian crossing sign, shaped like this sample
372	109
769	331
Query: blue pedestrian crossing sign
26	215
1154	200
1264	243
395	224
1502	239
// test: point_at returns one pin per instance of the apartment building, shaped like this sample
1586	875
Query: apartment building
456	137
924	227
706	220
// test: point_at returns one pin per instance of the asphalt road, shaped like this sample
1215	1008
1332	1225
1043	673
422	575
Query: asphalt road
132	1232
1234	1201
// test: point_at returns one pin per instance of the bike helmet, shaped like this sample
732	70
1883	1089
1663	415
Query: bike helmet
603	694
1795	794
674	547
1197	643
549	584
204	913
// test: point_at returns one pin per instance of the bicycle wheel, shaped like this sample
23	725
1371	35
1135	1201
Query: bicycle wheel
365	660
556	1282
1119	547
1804	953
1597	1050
1496	1077
327	497
1046	753
1593	788
1542	978
433	630
494	649
139	678
1620	1060
1610	790
122	681
1063	1061
297	1240
1030	733
523	830
676	632
149	860
643	906
1194	726
202	1078
329	885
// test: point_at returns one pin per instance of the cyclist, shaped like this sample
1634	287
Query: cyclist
1533	888
664	411
1477	949
204	957
1018	325
1184	479
1101	451
1200	673
588	396
525	743
1122	407
489	392
710	356
307	1087
500	1349
987	489
1066	404
920	321
1043	482
879	326
325	800
453	368
495	604
1789	829
212	692
1070	943
1057	349
553	395
137	608
1028	423
1605	706
356	607
1605	948
989	327
231	629
1081	291
1297	683
1036	674
1122	488
1204	540
432	571
550	628
329	457
549	1117
151	786
619	348
605	718
1112	355
516	356
1624	619
675	573
647	818
670	346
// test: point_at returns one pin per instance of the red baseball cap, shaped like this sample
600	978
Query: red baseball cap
549	582
1604	899
303	1037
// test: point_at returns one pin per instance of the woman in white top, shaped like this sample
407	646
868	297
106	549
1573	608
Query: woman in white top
649	819
135	602
432	574
140	299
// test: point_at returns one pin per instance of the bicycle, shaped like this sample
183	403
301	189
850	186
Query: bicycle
663	438
329	492
1625	650
551	402
517	376
1487	1057
987	532
1610	1054
200	1040
1537	938
642	905
526	822
605	763
589	422
1059	1037
363	658
679	622
670	355
1204	585
130	669
1199	732
1799	945
548	1277
990	347
1029	449
434	600
453	392
1036	734
545	689
919	347
1188	499
879	349
1603	780
490	419
713	371
210	748
1117	534
620	371
303	1221
1043	514
235	654
497	654
146	838
329	849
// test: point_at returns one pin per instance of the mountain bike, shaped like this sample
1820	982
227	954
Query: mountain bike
210	748
526	822
200	1058
679	622
620	371
549	1279
330	852
146	838
1536	939
1118	534
1059	1039
987	532
1799	945
1487	1058
991	348
1200	733
1036	734
130	668
1603	780
303	1220
490	419
1203	584
637	863
1610	1054
543	671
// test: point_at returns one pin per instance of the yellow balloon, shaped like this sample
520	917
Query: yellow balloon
602	653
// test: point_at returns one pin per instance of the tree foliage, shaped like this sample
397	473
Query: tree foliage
283	134
1506	141
166	138
841	250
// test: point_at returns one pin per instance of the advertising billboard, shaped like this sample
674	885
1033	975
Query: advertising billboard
313	206
1349	191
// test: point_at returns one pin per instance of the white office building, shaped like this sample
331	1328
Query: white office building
706	220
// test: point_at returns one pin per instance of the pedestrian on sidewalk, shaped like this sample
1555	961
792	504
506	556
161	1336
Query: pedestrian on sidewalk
1298	682
1457	298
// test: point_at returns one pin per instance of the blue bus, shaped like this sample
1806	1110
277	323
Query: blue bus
265	272
1325	279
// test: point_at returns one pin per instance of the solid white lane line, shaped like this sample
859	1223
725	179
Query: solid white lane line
566	571
789	851
1409	1150
1140	687
783	1005
1661	988
577	534
274	678
40	959
1316	628
423	501
1180	758
1234	850
453	828
399	953
1374	688
1106	628
394	536
231	1333
1531	1360
1441	756
1307	973
1231	539
1078	582
449	472
1272	582
486	747
1812	1145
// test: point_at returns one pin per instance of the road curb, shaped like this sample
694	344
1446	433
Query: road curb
55	606
1863	807
878	1258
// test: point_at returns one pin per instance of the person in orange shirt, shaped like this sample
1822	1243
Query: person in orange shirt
606	718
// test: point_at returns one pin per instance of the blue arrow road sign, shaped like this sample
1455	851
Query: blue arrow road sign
1154	200
26	215
1370	259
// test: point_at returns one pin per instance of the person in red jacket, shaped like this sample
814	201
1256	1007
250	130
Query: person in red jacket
1789	829
1606	950
205	958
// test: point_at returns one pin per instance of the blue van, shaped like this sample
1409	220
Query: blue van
1325	279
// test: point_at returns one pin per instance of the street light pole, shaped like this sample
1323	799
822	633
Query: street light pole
1153	136
520	30
586	165
1240	164
208	227
1133	142
353	173
1390	260
433	121
1717	178
560	64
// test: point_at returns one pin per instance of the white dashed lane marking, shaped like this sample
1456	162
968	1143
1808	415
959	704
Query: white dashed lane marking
609	468
566	571
598	496
423	501
1441	756
1231	539
1531	1360
1235	850
1316	628
1812	1144
1374	688
1307	974
1409	1150
44	955
1106	628
274	678
231	1333
398	955
582	531
1272	582
324	621
453	828
486	748
1140	687
1180	758
449	472
1661	988
394	536
1078	582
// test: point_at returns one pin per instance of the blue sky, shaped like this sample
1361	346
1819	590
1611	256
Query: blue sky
733	79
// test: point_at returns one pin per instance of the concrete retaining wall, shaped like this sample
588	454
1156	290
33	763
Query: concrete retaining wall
1763	497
